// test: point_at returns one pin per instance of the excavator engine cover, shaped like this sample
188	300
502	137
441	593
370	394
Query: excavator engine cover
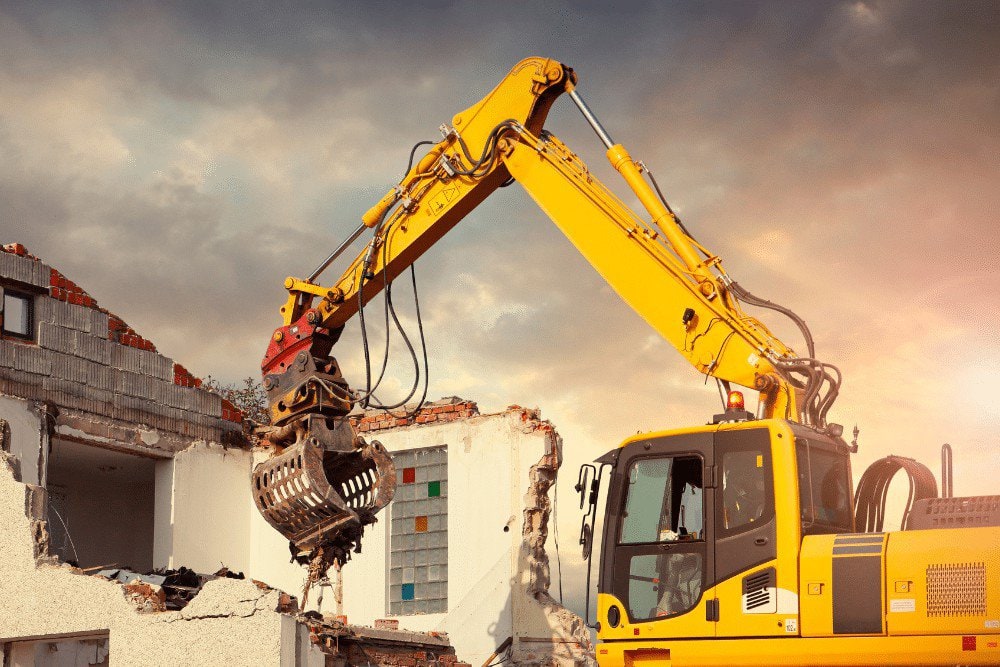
321	495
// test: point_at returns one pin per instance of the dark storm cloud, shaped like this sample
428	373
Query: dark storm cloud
178	160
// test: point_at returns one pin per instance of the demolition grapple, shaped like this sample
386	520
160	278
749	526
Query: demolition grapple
324	484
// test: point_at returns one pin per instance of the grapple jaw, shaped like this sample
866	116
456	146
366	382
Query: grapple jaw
321	490
324	484
321	498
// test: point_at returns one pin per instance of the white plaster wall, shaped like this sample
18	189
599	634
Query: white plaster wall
488	462
210	516
27	437
229	622
206	518
163	513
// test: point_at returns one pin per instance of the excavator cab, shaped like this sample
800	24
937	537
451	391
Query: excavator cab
702	527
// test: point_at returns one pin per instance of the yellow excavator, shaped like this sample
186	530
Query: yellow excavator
739	542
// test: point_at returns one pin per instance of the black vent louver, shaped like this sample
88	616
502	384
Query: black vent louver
758	588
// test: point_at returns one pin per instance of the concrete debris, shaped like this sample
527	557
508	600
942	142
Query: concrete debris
145	597
177	616
175	587
359	645
228	598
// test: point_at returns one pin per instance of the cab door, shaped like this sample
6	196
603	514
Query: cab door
658	535
745	534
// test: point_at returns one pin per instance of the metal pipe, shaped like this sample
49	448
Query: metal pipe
500	649
946	472
336	253
592	119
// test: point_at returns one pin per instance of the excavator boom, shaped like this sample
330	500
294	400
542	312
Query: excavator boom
666	276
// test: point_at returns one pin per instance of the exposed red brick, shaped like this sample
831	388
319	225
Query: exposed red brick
229	411
16	248
63	289
447	410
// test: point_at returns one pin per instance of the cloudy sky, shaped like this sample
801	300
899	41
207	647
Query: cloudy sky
178	161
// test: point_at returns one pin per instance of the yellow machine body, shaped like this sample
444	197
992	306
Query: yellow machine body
916	597
727	544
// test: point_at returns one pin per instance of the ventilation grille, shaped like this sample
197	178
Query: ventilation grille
759	594
955	512
956	589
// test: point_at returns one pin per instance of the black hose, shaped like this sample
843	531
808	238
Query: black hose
744	295
873	490
366	398
656	186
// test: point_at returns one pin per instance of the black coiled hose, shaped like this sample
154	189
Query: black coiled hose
873	490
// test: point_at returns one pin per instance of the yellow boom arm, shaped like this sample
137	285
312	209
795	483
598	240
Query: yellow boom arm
327	484
678	287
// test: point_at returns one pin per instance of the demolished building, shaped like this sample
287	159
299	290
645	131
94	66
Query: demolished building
461	548
117	462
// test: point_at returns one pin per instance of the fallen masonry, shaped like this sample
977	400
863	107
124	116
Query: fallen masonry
218	619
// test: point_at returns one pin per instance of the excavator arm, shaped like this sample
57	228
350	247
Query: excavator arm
326	483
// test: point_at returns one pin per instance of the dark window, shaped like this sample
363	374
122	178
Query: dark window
745	527
17	315
746	490
824	489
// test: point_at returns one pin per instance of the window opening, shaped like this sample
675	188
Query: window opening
59	652
101	506
17	315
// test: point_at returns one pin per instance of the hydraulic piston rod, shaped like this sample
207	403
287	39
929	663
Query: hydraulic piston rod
602	134
336	253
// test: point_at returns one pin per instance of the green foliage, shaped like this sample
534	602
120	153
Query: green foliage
248	397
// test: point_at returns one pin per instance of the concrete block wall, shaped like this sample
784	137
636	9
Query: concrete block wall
86	359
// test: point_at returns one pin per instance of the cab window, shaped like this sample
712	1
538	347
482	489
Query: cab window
664	501
746	490
664	584
824	489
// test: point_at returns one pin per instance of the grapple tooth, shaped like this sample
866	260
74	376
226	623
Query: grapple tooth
316	497
366	483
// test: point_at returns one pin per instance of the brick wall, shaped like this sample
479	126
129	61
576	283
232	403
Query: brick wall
446	410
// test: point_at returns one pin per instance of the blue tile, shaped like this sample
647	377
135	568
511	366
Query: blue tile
407	592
